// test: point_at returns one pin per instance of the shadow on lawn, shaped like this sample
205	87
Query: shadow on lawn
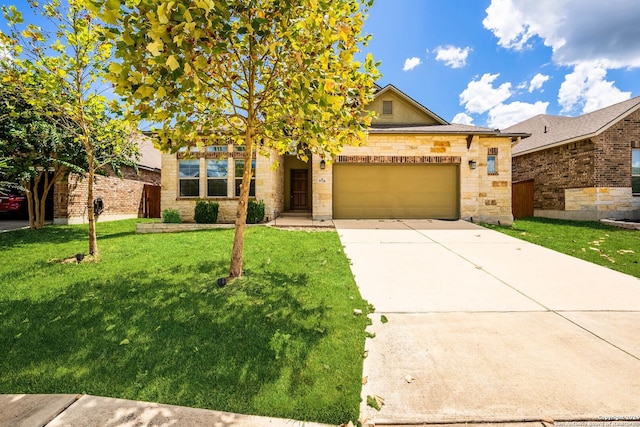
177	339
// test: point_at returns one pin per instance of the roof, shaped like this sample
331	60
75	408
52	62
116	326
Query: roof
419	106
550	131
454	128
443	128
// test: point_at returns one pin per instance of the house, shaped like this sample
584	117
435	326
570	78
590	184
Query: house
132	196
581	168
413	164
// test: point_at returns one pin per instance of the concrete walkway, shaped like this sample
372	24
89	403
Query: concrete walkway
70	410
480	327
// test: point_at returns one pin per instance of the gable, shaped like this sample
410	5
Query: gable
405	111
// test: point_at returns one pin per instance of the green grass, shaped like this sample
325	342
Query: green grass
148	321
612	247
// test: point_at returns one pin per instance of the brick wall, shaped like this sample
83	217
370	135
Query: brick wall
122	197
556	169
613	152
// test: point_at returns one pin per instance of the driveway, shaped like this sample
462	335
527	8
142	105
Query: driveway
482	327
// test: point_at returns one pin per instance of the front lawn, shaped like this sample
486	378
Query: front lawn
148	321
612	247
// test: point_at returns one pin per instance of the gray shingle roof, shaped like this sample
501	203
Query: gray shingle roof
549	131
453	128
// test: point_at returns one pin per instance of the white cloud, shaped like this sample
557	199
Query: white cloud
504	115
480	95
411	63
587	87
537	81
452	56
568	28
463	119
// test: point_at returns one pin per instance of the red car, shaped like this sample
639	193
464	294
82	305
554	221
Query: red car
10	203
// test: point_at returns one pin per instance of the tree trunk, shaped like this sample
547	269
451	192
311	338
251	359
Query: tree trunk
36	200
93	241
43	200
28	188
241	214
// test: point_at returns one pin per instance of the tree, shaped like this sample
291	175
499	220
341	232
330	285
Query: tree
265	74
62	72
37	151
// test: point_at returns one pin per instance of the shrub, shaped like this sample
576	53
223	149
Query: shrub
255	212
206	212
171	216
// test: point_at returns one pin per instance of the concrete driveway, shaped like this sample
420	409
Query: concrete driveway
483	327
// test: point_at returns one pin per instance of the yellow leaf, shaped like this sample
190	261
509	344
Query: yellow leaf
187	68
161	92
155	47
144	92
115	68
173	63
162	14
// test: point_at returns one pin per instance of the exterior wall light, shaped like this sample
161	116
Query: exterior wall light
473	164
323	164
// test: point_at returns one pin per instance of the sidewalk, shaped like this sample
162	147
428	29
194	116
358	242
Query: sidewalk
70	410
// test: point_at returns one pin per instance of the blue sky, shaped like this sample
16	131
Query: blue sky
497	62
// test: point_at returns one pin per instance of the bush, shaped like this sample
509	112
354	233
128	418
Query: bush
255	212
171	216
206	212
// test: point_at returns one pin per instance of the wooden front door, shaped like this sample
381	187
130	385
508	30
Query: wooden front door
151	201
299	186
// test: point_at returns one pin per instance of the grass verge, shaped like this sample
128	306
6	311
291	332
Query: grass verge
611	247
148	321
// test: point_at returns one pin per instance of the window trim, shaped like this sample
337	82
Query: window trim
236	186
189	178
494	163
224	178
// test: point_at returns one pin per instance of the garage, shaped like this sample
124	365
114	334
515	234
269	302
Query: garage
371	191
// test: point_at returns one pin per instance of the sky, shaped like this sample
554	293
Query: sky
495	63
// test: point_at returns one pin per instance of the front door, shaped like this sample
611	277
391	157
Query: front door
299	184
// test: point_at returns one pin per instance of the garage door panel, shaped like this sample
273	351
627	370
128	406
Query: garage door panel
395	191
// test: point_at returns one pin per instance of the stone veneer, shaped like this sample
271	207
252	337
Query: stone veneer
483	196
269	186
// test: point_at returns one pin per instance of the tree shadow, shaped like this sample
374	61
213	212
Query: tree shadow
178	340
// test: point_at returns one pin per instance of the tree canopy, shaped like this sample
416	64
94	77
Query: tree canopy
276	74
60	70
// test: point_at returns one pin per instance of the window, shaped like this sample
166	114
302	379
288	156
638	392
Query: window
635	171
189	178
491	165
193	149
217	172
238	175
217	149
387	107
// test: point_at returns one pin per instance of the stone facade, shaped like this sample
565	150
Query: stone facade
122	197
269	184
403	134
588	179
483	196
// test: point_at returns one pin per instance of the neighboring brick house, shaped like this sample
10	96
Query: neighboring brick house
413	164
132	196
583	168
